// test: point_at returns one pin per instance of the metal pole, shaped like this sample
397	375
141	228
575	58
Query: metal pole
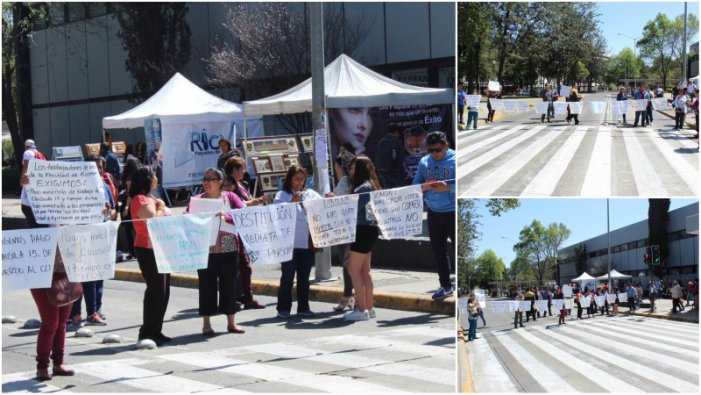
684	76
322	266
608	255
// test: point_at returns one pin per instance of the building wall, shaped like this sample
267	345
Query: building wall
79	77
628	245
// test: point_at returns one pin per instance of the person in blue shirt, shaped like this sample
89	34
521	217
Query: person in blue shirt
112	163
436	174
461	103
648	109
639	115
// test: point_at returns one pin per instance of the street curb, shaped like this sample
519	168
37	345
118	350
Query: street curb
467	386
670	116
319	293
666	317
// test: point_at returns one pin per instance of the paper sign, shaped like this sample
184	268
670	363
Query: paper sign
569	304
399	211
524	305
480	298
494	86
541	305
267	232
473	100
639	104
585	302
576	107
619	108
560	108
565	90
557	304
211	207
89	251
332	221
600	300
65	192
567	291
501	306
661	103
611	298
541	107
522	106
321	148
28	258
623	297
597	107
497	104
180	243
509	105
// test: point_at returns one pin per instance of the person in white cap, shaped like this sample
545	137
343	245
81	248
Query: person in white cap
30	152
691	88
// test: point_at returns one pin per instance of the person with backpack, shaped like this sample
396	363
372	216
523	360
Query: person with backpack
30	152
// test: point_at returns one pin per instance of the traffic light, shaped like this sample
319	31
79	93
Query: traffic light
656	258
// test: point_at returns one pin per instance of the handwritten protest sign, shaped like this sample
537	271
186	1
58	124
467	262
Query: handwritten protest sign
332	221
611	298
522	106
661	103
28	258
180	242
585	302
473	100
560	108
567	291
597	107
557	304
541	305
524	305
569	303
500	306
494	86
267	232
541	107
619	108
509	105
65	192
480	298
600	300
623	297
565	90
576	107
639	104
399	211
497	104
89	251
209	206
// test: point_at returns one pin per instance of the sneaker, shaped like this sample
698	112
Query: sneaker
163	338
75	322
442	293
95	319
283	314
371	313
307	313
357	316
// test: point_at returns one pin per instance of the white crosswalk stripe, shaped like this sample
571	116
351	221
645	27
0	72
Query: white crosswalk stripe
613	353
347	363
591	161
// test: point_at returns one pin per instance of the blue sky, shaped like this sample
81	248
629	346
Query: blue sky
630	18
585	218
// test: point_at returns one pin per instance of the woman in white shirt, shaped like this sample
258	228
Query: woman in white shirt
680	104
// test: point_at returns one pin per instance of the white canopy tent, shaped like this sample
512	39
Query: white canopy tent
615	275
584	277
349	84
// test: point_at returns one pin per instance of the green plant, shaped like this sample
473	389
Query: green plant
7	150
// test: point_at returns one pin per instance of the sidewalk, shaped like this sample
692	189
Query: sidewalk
394	289
663	310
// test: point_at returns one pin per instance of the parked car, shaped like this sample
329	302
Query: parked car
525	93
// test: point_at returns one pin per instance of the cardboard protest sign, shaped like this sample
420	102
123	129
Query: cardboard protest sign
180	242
524	305
576	107
567	291
639	104
623	297
661	103
597	107
332	221
267	232
560	107
211	207
600	300
619	108
399	211
494	86
569	303
65	192
565	90
585	302
28	258
481	298
522	106
473	100
557	304
541	305
611	298
541	107
89	251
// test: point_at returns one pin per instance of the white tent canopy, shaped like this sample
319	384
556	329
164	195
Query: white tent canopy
178	101
349	84
615	274
584	277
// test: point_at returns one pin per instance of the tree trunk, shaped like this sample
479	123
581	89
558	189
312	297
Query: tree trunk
502	50
24	77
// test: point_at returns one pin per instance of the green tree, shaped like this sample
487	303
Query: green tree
489	268
625	65
657	222
539	245
520	269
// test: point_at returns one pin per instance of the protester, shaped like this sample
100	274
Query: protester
549	95
691	88
573	97
677	294
30	152
157	294
461	103
490	109
577	300
695	107
473	113
648	108
480	311
518	315
659	92
112	164
364	181
343	163
294	190
226	152
235	170
530	296
436	174
639	115
638	295
651	295
616	302
472	311
621	97
631	293
126	226
563	314
680	103
390	159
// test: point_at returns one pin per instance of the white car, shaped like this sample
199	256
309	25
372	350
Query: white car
525	93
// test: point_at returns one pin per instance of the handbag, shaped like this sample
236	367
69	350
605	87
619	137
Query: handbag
63	292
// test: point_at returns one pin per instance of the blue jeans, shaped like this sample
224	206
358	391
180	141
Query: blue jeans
472	333
92	291
472	117
301	263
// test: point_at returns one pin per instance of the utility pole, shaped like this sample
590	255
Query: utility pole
684	76
322	265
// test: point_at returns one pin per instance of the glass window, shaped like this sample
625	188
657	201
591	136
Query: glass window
75	12
616	249
417	77
57	11
96	9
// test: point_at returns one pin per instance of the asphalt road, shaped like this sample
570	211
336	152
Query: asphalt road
398	351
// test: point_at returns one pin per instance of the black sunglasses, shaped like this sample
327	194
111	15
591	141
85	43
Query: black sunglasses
210	179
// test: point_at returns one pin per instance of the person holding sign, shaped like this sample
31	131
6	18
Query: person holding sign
342	165
472	314
436	174
143	206
573	97
30	152
235	170
365	180
549	95
294	190
621	96
222	269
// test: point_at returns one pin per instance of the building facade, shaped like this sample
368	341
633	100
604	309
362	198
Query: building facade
78	73
629	245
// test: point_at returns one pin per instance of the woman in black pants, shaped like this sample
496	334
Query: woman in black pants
144	205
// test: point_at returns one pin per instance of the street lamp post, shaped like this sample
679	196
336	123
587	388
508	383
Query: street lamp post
635	55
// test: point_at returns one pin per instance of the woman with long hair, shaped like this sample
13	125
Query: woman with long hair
220	277
143	206
365	180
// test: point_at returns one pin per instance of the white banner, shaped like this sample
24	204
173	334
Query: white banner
332	221
497	104
524	305
639	104
661	103
611	298
89	251
569	304
560	107
473	100
188	149
522	106
597	107
567	291
501	306
623	297
65	192
541	305
557	304
28	258
267	232
576	107
480	298
565	90
399	211
509	105
494	86
600	300
619	108
180	242
585	301
541	107
210	206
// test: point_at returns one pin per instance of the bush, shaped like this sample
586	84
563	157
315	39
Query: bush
10	179
8	150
